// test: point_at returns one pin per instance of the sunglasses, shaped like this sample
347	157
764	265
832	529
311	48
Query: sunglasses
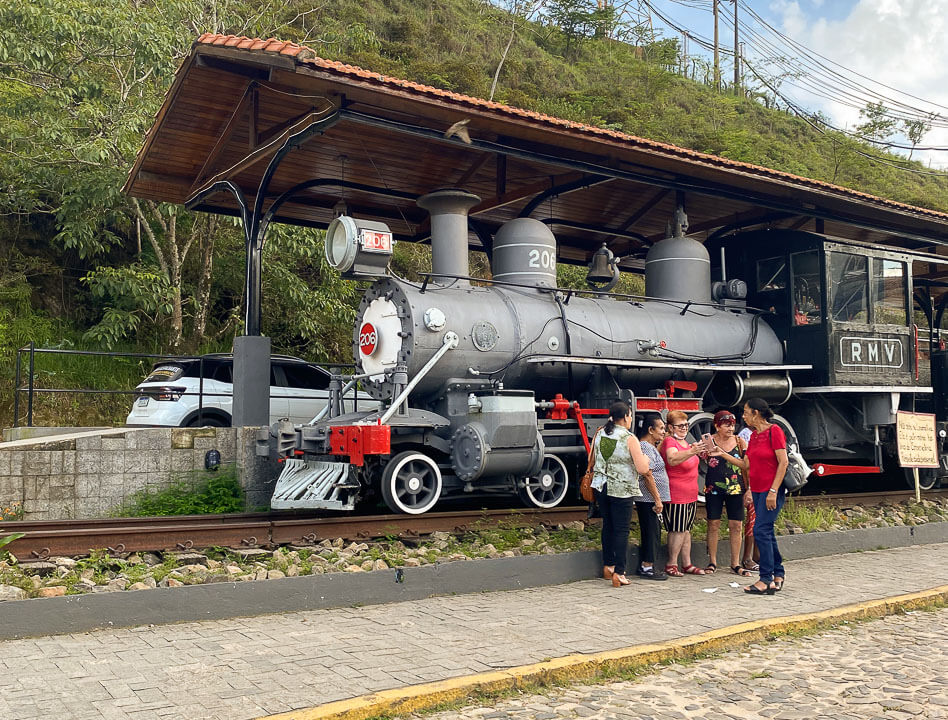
727	422
679	425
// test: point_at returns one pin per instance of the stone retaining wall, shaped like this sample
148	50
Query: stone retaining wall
88	474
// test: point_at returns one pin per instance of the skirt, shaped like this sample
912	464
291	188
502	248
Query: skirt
679	517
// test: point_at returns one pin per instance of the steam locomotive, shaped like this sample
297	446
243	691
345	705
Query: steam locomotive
496	387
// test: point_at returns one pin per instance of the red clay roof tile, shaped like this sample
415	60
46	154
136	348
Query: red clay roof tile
306	56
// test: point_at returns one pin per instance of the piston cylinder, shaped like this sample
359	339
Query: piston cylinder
729	390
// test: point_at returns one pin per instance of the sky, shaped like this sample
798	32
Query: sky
900	43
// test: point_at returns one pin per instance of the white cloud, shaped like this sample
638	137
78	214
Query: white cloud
900	43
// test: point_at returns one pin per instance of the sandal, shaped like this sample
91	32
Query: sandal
692	570
754	590
738	570
618	580
778	584
673	571
710	569
751	565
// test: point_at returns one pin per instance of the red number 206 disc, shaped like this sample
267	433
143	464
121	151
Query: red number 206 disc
368	339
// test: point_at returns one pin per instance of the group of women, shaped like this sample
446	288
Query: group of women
657	474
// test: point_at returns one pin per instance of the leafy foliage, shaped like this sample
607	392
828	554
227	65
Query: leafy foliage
218	493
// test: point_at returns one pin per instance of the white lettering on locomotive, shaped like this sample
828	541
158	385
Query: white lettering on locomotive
867	352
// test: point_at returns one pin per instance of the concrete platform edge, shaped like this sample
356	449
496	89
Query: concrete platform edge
218	601
579	667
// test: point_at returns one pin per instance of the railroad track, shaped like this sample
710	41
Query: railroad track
248	530
44	538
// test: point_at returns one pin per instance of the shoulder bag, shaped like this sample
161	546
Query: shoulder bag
742	450
798	472
585	484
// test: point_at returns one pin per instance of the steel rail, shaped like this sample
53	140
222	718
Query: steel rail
44	538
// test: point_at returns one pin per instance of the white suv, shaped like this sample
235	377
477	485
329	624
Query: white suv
173	396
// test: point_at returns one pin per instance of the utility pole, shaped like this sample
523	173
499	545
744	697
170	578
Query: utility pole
737	55
684	53
717	67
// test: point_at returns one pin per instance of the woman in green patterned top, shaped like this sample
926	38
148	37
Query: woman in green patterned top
617	461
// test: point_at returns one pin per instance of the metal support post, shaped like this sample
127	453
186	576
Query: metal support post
29	402
16	388
251	380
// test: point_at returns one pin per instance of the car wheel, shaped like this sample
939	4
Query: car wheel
212	421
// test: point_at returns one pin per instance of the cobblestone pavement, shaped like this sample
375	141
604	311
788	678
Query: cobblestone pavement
890	669
247	667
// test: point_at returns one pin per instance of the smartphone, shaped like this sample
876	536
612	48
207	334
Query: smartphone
707	442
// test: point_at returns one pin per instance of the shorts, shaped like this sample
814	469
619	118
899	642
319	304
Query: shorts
679	517
715	502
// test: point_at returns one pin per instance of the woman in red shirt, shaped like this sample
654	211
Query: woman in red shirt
681	462
768	461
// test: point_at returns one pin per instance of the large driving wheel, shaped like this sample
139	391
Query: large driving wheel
411	483
548	487
928	478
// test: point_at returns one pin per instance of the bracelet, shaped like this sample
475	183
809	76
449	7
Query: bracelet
772	491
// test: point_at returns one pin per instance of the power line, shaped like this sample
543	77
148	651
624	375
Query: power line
804	70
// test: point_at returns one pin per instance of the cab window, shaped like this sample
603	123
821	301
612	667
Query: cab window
807	288
771	274
849	278
888	292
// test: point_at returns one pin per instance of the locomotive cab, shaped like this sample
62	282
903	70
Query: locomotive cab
846	309
840	307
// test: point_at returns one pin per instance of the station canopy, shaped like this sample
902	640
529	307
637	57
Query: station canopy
295	138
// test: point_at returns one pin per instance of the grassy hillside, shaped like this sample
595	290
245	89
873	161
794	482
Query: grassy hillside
457	45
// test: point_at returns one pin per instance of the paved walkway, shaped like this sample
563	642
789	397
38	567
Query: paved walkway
891	669
248	667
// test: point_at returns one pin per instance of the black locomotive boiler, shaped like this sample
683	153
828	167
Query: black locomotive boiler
497	387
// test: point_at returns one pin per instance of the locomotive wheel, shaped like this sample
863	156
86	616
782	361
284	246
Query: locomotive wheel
548	487
411	483
928	478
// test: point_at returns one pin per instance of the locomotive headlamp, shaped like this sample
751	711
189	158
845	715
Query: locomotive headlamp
358	248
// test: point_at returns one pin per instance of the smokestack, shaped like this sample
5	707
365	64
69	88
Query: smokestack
449	232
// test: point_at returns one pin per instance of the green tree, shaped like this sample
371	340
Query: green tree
916	129
82	81
877	123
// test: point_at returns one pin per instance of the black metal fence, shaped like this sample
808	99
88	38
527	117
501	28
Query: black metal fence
27	354
30	389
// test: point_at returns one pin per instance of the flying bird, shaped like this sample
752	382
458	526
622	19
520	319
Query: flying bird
459	130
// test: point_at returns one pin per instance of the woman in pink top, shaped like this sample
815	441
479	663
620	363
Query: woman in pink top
681	461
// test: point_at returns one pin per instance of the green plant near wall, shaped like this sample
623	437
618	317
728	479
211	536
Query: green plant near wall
196	493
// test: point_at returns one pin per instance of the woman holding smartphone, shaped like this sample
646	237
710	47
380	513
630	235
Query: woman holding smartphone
724	489
681	462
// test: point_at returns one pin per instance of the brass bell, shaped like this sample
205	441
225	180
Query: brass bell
603	268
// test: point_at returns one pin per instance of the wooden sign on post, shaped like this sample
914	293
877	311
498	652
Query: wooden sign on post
917	444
